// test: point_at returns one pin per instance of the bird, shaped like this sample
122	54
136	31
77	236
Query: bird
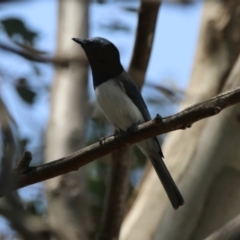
123	104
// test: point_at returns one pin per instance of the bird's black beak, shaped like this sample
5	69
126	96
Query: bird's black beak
82	42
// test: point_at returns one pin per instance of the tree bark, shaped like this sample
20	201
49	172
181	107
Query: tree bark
230	231
196	157
68	207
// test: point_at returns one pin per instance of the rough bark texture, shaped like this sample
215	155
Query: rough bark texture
196	157
67	200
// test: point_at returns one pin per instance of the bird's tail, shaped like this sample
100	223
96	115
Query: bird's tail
154	152
167	182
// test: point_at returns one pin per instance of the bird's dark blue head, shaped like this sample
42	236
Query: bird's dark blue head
103	57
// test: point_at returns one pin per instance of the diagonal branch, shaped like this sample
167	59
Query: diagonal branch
230	231
154	127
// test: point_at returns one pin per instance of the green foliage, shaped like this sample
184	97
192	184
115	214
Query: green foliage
15	27
26	94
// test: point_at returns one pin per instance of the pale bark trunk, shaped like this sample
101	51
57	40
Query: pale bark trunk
196	157
67	200
230	231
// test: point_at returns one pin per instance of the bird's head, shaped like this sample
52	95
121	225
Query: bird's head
103	57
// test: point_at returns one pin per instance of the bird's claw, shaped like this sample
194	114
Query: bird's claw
101	140
132	128
158	119
158	116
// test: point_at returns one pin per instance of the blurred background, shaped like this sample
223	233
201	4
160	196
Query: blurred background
48	107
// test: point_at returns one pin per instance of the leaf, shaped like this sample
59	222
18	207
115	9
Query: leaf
14	27
25	92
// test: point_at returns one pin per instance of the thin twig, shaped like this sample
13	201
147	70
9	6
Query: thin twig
40	58
230	231
23	164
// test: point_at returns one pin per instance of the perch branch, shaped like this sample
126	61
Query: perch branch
156	126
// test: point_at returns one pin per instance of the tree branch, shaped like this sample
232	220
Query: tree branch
147	19
154	127
23	164
35	56
230	231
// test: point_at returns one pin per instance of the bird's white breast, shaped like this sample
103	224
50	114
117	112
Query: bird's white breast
117	106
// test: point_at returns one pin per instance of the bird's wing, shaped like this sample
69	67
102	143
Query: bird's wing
130	88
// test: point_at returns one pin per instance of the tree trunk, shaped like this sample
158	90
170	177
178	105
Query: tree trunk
197	157
67	197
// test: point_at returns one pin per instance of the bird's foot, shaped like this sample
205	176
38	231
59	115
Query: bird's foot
133	128
158	119
101	140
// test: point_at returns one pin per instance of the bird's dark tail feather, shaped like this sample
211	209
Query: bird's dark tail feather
167	182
